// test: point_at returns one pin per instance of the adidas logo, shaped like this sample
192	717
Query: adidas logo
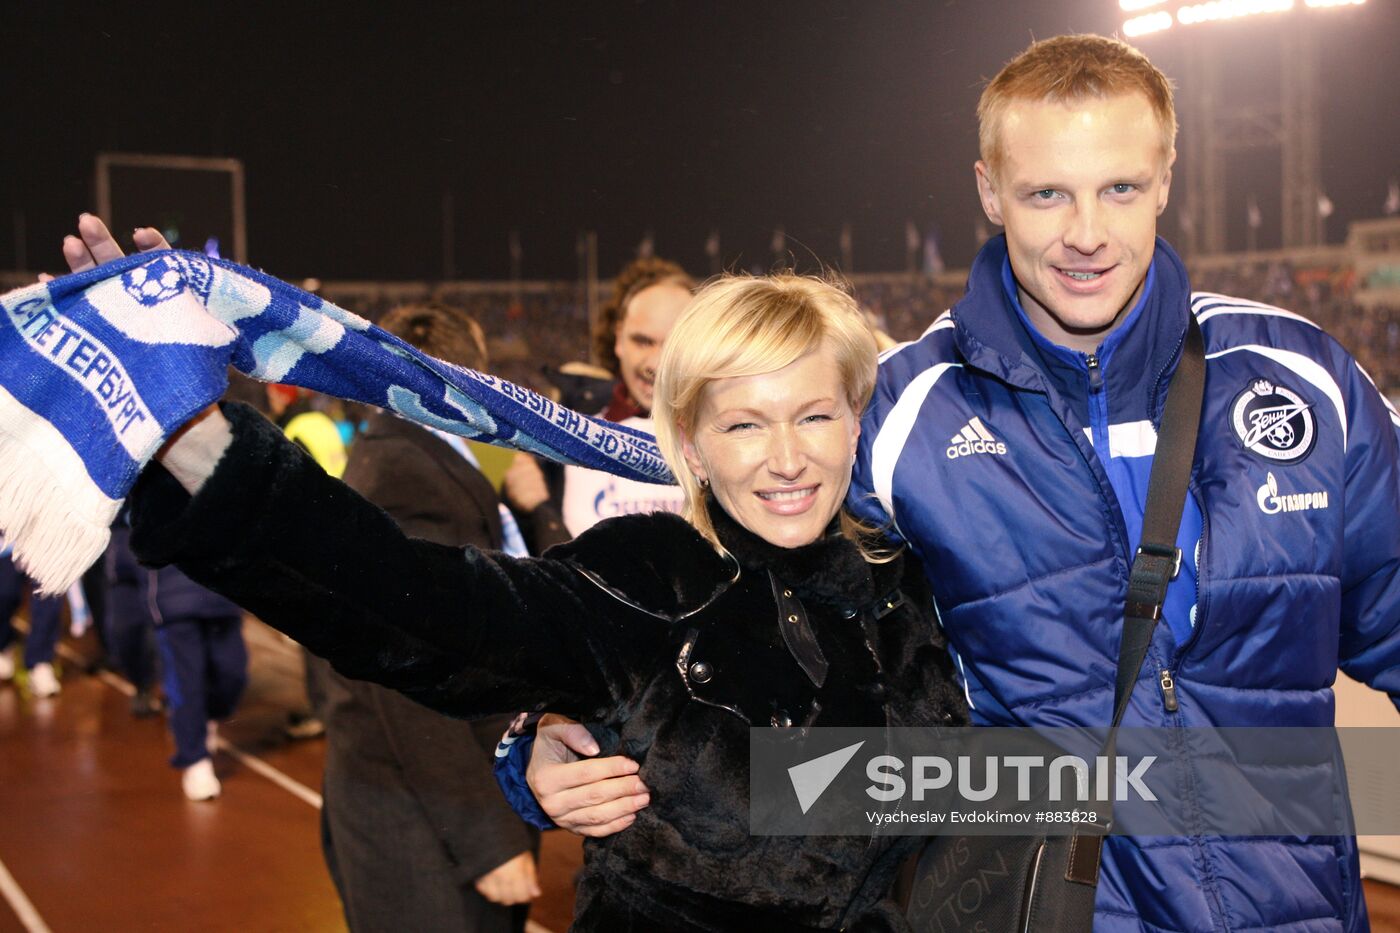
974	438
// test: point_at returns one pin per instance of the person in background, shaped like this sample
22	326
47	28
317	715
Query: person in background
45	626
460	859
128	621
291	409
204	670
628	336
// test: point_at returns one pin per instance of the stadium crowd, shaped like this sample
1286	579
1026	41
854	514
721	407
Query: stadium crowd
539	325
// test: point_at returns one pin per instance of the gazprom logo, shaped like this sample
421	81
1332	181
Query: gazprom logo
1271	502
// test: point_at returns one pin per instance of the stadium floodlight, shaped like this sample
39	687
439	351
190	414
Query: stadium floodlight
1147	23
1289	124
1229	9
1189	14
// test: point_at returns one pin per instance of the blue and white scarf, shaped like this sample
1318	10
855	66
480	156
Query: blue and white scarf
512	540
97	369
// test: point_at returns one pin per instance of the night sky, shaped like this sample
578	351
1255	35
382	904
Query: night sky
552	118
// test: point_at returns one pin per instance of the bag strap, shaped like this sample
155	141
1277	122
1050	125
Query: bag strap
1158	559
1156	564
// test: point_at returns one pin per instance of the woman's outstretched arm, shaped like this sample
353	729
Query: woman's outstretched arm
464	631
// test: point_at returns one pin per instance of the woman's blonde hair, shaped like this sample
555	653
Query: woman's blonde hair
742	325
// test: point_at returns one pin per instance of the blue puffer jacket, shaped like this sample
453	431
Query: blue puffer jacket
1017	472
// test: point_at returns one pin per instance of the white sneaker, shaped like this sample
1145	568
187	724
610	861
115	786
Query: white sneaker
43	682
7	666
199	782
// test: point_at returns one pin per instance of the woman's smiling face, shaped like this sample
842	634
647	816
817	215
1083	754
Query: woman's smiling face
777	447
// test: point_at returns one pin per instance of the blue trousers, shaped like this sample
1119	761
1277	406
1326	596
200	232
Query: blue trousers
129	634
205	668
128	623
44	625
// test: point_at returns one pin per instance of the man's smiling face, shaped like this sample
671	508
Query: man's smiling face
1079	188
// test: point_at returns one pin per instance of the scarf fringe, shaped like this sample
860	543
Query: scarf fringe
57	523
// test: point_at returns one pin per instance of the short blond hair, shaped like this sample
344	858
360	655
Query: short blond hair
741	325
1067	69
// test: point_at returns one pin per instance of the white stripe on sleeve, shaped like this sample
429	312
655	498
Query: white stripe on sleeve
894	433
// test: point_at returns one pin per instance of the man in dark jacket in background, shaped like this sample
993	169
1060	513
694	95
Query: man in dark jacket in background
416	835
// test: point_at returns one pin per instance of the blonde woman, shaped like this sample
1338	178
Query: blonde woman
666	630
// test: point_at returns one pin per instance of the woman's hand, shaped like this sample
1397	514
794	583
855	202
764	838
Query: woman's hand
192	451
514	882
94	243
592	797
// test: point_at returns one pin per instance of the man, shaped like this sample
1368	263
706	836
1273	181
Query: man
648	297
459	859
1010	448
290	408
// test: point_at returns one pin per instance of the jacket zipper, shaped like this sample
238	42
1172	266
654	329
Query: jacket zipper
1095	372
1098	420
1164	678
1171	702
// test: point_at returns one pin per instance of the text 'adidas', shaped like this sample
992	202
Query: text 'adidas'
974	438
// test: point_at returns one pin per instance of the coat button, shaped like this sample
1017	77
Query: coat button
792	619
787	593
781	719
849	614
700	672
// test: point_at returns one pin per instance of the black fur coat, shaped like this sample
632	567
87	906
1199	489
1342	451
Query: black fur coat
638	625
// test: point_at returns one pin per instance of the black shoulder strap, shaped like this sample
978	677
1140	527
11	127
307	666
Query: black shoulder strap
1154	567
1158	558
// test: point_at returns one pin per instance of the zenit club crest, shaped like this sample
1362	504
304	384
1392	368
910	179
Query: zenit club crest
1274	422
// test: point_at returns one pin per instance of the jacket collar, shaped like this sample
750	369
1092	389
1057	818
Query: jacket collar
1046	348
1136	358
830	570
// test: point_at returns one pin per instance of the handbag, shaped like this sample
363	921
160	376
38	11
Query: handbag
998	884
